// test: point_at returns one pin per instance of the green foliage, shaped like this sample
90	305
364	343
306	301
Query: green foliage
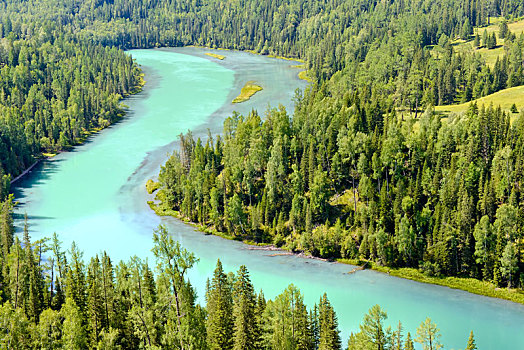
471	342
373	333
428	335
219	301
130	307
403	196
52	92
329	338
245	327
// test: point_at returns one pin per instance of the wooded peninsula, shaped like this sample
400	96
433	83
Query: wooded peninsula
390	157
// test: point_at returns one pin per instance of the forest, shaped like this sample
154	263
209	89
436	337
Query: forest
362	169
63	302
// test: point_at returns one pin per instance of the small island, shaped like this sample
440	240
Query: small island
214	55
249	89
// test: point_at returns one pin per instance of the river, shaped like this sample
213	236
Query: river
95	195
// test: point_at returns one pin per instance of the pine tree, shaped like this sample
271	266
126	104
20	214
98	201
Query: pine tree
76	280
219	300
303	334
471	342
397	338
409	343
6	241
491	41
503	29
108	290
18	275
314	326
329	338
95	309
259	313
244	303
476	41
485	38
35	287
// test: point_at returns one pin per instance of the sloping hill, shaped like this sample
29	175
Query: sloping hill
505	98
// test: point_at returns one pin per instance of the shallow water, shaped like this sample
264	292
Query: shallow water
96	197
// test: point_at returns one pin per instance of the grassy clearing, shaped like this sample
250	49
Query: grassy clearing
214	55
249	89
504	98
470	285
346	200
490	56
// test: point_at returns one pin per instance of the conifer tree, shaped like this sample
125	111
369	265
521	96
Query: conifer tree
408	345
244	302
329	338
35	282
17	276
6	241
471	342
372	328
95	310
428	335
397	337
108	290
76	280
259	319
219	303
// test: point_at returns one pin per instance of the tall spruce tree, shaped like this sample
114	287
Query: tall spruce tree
244	303
219	304
329	338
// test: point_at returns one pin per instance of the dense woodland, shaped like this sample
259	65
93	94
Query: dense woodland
362	169
61	302
442	196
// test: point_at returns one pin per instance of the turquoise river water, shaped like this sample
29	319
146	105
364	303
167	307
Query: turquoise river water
95	195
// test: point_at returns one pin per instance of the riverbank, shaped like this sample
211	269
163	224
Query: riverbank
303	74
84	133
470	285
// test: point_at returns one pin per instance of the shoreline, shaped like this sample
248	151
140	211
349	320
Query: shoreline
469	285
85	133
27	171
303	74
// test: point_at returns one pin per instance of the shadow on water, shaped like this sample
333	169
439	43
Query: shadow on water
38	175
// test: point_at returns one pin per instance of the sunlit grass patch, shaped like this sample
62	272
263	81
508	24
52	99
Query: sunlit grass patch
249	89
214	55
504	98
